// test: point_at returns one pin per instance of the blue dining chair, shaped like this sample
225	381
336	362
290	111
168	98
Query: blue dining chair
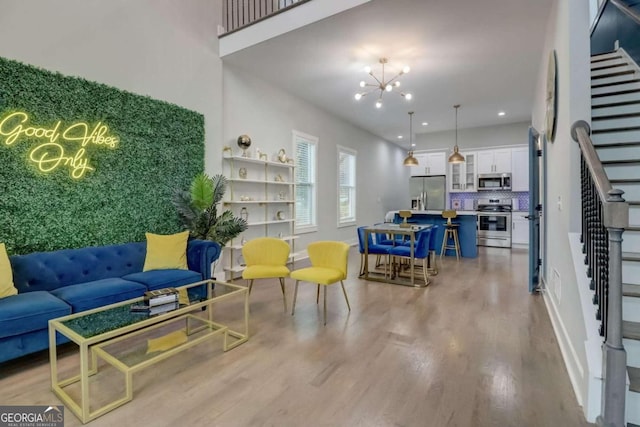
373	249
420	251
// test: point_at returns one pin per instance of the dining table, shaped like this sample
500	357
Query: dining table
408	231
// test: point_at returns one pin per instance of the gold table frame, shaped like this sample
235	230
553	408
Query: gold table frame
93	347
393	229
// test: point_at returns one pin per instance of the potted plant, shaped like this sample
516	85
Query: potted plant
198	210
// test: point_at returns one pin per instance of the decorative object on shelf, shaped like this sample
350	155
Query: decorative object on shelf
263	156
243	241
280	235
282	195
383	85
280	216
244	142
226	151
241	262
242	173
551	98
198	210
410	160
278	178
282	156
244	214
290	161
456	157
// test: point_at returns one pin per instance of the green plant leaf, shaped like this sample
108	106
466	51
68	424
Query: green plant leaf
202	191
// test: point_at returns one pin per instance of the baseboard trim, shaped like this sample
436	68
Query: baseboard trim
569	355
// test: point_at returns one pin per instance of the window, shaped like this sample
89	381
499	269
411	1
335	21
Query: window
305	149
346	186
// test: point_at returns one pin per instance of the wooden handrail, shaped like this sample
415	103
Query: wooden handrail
616	210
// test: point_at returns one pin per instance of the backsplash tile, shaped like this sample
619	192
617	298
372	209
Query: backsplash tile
520	199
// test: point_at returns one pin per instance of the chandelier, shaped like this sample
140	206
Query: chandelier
381	85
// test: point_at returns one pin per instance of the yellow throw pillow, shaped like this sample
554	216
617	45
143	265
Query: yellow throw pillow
166	251
6	276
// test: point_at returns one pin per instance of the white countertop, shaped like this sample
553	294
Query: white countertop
389	216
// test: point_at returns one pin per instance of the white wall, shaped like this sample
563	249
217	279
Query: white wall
268	115
161	48
474	138
568	34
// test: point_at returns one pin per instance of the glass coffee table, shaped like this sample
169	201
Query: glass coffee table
131	341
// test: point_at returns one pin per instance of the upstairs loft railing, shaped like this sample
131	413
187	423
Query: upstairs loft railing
617	23
239	14
605	217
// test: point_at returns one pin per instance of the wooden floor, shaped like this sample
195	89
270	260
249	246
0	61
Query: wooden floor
472	349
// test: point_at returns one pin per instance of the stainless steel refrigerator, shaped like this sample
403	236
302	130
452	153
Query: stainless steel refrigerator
428	192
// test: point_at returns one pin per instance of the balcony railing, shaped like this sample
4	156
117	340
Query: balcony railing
239	14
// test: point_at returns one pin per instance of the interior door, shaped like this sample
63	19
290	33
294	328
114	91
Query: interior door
535	209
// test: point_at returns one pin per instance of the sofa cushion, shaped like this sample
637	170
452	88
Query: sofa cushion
158	279
6	276
85	296
23	313
46	271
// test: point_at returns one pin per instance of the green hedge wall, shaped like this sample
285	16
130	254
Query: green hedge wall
161	147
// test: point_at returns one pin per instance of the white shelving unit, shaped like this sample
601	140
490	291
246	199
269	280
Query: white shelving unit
262	192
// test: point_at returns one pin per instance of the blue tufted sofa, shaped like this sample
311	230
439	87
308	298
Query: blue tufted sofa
57	283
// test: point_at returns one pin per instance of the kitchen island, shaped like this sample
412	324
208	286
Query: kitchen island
467	232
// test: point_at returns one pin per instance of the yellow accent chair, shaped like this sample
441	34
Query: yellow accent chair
328	266
265	258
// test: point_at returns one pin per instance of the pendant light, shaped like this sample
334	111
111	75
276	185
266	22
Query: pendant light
410	160
456	157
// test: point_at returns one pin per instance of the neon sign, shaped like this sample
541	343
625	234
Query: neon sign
50	154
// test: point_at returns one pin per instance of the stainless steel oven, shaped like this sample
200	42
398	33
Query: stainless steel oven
494	222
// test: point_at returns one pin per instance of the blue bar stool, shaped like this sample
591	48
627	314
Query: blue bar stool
450	232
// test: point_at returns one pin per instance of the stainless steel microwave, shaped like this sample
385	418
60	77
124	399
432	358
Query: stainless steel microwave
494	182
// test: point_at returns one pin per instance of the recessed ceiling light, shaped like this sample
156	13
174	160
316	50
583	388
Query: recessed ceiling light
425	124
501	113
399	136
413	145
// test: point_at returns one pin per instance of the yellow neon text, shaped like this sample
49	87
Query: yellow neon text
51	154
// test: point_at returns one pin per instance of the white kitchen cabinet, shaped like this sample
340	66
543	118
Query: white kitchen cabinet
519	229
430	164
463	176
520	169
494	161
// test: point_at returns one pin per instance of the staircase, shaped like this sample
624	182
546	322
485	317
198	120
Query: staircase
615	115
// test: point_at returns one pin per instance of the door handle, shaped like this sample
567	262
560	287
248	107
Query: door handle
531	217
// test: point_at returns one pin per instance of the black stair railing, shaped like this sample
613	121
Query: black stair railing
239	14
605	217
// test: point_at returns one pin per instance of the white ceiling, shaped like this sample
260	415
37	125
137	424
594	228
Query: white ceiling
483	55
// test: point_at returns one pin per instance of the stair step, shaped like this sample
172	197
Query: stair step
630	290
604	74
615	99
615	108
616	91
632	425
613	66
631	256
608	153
631	271
634	213
634	379
631	187
631	330
615	84
609	64
613	123
605	137
622	169
605	56
618	79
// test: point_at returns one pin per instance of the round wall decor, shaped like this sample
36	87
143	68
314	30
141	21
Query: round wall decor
551	98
